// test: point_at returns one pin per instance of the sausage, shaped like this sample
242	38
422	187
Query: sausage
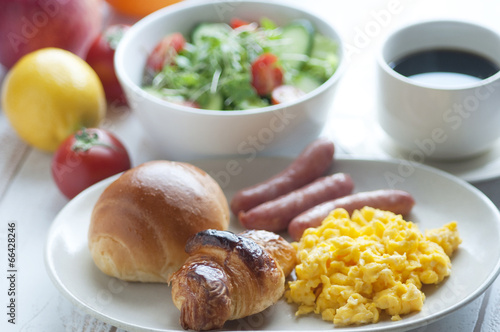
274	215
311	163
396	201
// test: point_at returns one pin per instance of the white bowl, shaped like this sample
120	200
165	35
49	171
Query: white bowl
185	133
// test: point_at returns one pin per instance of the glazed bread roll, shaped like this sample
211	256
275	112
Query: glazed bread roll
142	221
230	276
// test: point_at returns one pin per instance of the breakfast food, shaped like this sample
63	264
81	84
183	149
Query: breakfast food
354	269
229	276
237	66
311	163
142	221
276	214
393	200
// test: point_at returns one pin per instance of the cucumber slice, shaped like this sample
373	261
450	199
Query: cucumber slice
324	58
211	101
296	44
306	82
165	94
251	103
210	30
323	47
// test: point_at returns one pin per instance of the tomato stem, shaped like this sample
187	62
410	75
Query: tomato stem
85	140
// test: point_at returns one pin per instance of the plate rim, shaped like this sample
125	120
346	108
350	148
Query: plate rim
381	139
55	278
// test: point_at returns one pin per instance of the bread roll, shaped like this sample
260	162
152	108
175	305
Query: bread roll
142	221
230	276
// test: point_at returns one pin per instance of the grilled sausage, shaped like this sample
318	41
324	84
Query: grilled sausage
275	215
396	201
312	163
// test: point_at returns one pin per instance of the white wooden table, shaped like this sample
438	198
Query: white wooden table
30	200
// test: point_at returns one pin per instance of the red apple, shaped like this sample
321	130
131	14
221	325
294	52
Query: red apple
28	25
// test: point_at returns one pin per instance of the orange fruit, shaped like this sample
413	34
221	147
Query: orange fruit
139	8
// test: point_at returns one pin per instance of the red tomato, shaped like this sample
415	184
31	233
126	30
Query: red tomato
284	93
100	57
267	74
235	23
87	157
165	51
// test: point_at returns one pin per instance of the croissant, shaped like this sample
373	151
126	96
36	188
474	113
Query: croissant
229	276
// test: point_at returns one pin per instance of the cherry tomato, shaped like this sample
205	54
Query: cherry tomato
100	58
284	93
165	52
267	74
87	157
235	23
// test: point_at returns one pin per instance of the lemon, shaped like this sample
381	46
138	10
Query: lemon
50	94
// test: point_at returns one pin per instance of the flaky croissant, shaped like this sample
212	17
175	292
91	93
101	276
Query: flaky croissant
229	276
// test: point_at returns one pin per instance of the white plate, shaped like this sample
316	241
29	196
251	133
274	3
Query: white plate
366	139
136	307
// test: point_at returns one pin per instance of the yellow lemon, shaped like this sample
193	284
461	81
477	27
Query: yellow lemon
49	94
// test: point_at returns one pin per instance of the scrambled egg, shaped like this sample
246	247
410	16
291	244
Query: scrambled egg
351	270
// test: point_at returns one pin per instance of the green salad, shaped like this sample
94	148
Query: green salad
240	65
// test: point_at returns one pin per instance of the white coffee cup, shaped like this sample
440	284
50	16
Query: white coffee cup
435	120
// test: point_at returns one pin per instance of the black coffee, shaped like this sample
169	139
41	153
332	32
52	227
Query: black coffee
446	67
